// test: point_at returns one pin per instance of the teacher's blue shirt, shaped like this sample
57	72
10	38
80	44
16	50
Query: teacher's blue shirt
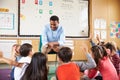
49	35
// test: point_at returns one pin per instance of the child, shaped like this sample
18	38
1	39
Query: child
26	52
36	70
15	57
69	70
114	56
104	64
116	47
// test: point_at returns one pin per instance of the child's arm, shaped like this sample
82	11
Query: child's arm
91	41
98	38
13	53
87	65
116	58
9	61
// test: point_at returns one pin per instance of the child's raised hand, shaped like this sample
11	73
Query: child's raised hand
97	37
90	38
14	50
1	54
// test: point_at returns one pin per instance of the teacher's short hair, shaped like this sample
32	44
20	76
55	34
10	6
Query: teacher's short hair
54	18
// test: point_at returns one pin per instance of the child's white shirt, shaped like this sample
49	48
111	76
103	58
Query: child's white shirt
18	72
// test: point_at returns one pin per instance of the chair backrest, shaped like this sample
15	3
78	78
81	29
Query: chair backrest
40	43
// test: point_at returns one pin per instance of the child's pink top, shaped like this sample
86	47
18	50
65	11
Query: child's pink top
107	69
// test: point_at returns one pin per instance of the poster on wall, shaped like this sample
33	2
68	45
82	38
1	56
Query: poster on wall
8	18
100	23
6	21
103	34
115	30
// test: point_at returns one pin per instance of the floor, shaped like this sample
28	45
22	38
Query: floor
4	66
5	74
5	70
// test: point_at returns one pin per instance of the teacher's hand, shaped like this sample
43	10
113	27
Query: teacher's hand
50	45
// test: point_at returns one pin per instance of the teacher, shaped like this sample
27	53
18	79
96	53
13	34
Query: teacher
52	36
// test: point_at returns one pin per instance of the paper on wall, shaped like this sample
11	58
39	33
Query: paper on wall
103	34
6	47
96	24
102	24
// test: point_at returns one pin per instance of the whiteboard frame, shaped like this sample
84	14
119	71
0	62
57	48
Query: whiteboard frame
19	34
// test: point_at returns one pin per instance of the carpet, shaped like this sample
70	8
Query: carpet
5	74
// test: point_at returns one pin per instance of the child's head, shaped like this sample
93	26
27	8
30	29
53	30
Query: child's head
111	46
39	59
98	52
37	69
65	54
26	50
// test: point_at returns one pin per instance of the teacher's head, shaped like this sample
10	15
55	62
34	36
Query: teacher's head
54	22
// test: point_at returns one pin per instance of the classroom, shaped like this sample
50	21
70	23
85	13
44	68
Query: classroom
84	23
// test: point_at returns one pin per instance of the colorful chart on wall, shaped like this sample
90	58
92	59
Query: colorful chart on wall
8	18
115	29
35	14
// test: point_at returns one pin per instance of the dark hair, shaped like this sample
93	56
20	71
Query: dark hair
65	54
37	69
101	43
110	46
25	49
54	18
99	52
118	48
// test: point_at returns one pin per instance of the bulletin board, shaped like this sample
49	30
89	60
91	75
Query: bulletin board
8	18
35	14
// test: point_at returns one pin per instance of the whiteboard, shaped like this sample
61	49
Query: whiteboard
9	20
35	14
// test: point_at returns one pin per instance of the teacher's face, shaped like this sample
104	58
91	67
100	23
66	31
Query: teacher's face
54	25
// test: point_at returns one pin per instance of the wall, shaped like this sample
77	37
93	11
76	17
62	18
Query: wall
114	15
107	9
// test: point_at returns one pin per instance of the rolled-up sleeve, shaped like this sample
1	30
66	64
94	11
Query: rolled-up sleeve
44	36
62	37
